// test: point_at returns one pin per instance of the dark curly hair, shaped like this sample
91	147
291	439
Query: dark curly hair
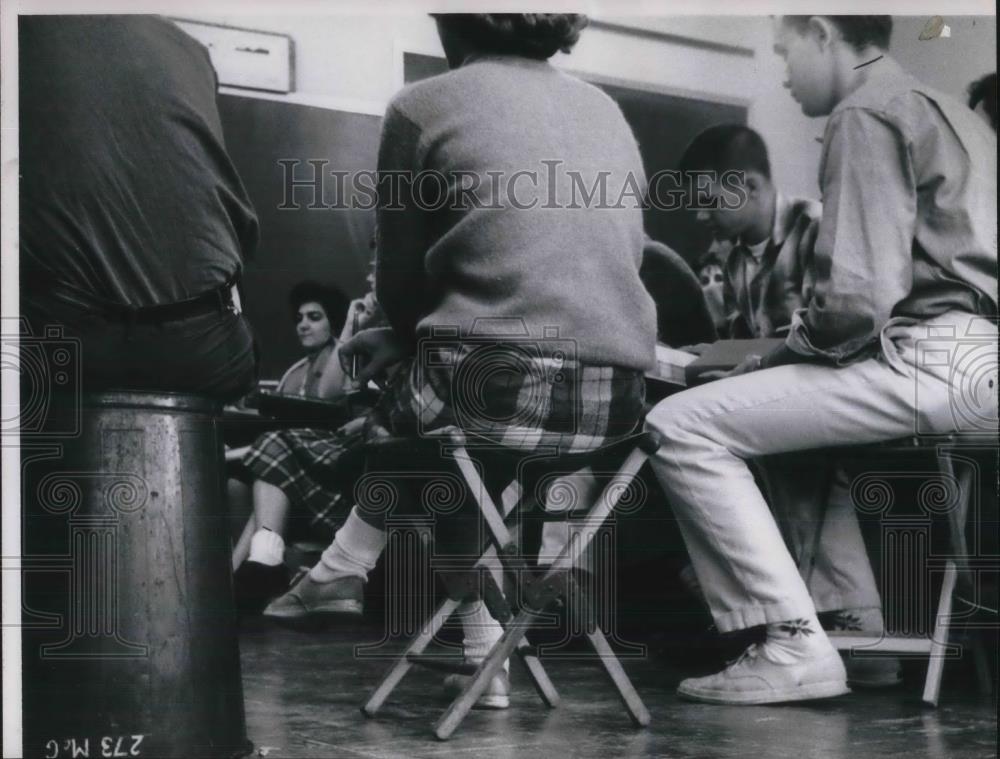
858	31
532	35
333	301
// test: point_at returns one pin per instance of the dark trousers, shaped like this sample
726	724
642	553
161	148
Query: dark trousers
211	353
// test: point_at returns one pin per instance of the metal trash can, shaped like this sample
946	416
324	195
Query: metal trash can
129	631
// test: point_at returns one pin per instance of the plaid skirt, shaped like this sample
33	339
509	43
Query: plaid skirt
504	394
515	398
309	467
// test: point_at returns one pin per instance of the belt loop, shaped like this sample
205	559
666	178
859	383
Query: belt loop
235	301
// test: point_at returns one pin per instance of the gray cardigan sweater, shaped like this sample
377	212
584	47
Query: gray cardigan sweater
472	245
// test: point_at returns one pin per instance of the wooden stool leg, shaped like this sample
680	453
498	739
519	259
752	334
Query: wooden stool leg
402	665
499	609
512	638
569	558
630	698
539	677
600	512
939	643
501	537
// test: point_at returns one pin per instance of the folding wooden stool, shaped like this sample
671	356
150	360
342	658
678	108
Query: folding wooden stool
954	466
537	589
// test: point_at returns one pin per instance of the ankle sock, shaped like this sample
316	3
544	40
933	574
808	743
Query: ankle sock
867	619
267	547
795	639
353	553
481	631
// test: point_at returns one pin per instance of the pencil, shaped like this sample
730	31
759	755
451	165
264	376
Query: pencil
354	358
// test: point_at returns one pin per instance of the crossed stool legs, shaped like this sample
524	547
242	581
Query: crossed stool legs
536	593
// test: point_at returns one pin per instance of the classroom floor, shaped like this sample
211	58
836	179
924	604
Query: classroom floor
303	692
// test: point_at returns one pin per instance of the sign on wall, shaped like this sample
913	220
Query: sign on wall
244	57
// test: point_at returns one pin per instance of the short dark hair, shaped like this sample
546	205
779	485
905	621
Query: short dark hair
533	35
858	31
334	302
984	90
727	147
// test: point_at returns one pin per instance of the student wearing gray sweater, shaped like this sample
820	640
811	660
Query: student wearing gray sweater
510	217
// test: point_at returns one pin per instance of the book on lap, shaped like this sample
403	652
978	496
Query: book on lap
724	355
670	365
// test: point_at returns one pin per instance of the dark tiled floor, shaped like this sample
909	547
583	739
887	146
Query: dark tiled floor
303	693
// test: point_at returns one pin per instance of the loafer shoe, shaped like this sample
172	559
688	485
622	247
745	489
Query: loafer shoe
755	679
311	601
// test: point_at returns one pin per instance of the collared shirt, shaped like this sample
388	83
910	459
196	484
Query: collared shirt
908	177
767	282
303	377
128	196
753	261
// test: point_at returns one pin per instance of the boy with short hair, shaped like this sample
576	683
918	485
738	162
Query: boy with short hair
766	278
771	234
905	259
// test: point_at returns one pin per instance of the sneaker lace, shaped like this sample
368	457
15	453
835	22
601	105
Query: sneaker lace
751	653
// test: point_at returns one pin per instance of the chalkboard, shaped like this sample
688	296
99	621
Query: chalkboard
663	125
330	245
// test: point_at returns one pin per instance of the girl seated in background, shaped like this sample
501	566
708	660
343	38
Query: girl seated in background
293	466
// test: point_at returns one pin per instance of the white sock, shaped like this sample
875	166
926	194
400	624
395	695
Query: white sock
795	639
481	631
868	619
555	537
267	547
353	553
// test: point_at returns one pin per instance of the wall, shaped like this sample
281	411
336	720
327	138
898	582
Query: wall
947	63
358	58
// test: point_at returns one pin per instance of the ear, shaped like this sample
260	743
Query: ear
822	30
755	181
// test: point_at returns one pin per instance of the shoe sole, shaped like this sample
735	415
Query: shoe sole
492	702
317	618
809	692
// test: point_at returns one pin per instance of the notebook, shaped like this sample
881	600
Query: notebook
670	364
724	355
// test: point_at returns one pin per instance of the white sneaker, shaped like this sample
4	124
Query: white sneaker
755	679
496	695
